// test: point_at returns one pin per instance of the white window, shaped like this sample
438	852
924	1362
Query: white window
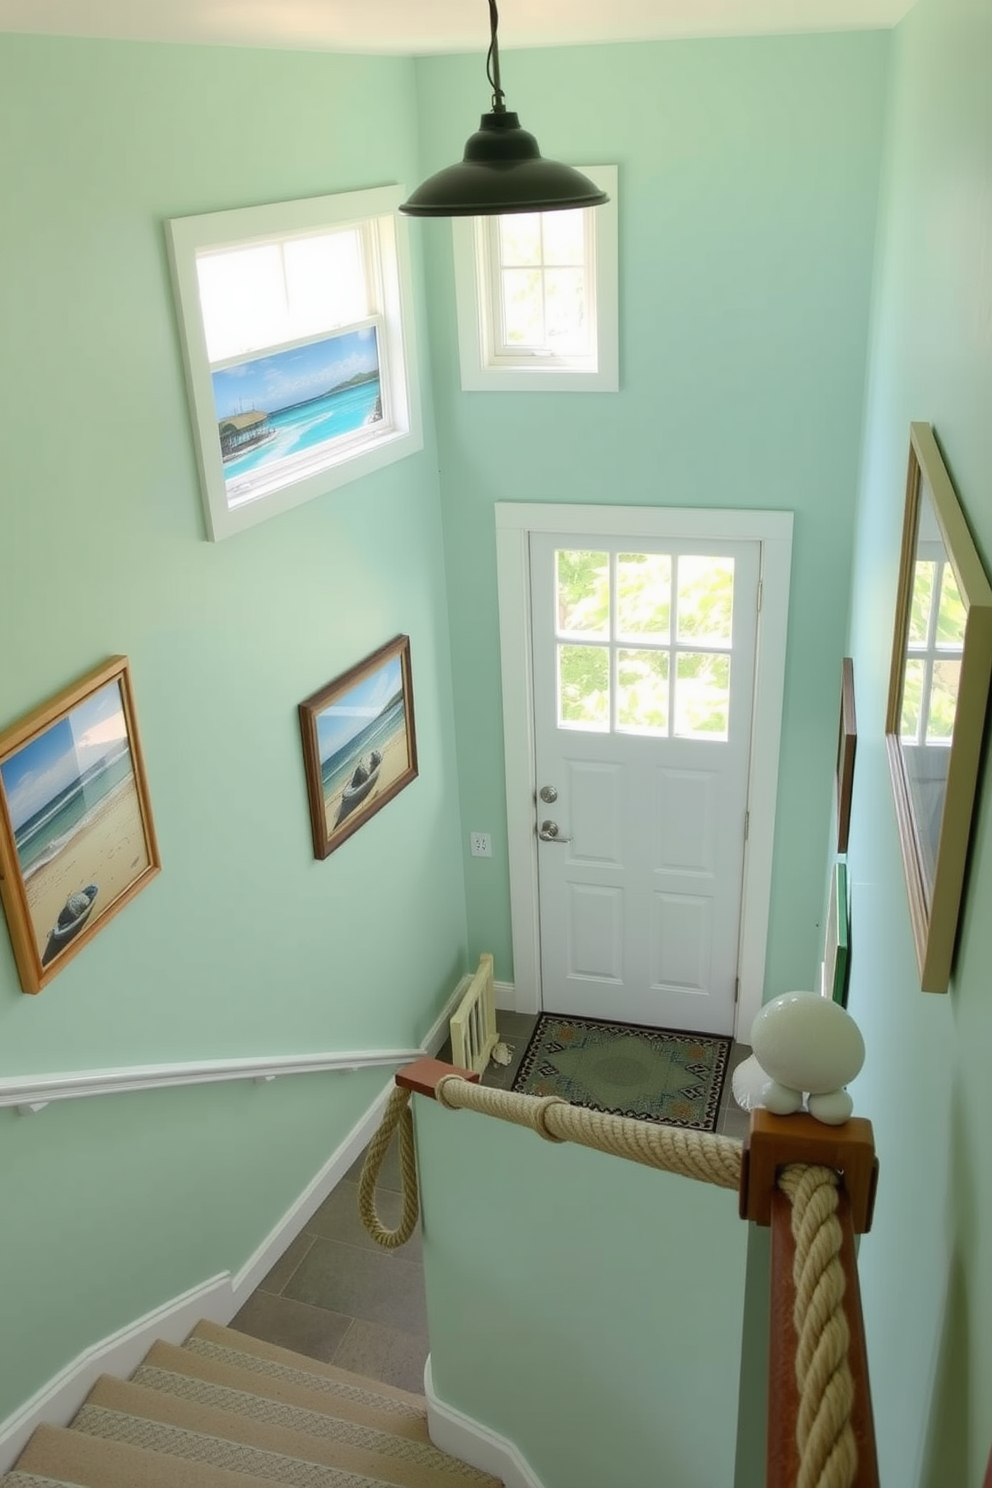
537	298
300	355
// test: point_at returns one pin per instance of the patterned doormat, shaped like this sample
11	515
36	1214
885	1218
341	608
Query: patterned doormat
654	1074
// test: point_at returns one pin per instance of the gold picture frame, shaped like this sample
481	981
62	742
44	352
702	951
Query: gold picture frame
76	835
359	744
938	696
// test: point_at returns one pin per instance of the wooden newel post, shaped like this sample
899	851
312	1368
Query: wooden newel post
776	1142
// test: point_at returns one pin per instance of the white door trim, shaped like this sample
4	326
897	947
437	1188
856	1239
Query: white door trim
515	521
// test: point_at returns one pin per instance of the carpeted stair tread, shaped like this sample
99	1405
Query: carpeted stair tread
322	1425
216	1341
220	1452
31	1480
233	1434
58	1455
292	1388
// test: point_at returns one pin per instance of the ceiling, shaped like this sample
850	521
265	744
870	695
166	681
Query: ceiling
428	26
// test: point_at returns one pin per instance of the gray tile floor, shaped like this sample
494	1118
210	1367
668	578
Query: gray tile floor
335	1295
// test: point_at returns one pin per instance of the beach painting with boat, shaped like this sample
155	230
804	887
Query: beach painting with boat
280	416
76	839
359	743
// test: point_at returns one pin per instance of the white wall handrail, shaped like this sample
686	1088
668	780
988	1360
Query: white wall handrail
30	1092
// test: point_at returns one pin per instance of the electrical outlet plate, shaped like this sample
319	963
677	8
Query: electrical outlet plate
481	844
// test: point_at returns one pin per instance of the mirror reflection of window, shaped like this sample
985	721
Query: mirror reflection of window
931	680
934	642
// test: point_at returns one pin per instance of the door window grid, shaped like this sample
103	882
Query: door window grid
678	608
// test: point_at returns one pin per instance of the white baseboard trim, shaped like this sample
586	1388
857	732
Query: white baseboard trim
217	1299
258	1265
506	996
57	1402
475	1444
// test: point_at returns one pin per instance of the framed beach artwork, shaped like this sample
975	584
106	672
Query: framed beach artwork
76	835
938	699
359	744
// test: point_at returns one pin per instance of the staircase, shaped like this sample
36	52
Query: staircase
229	1411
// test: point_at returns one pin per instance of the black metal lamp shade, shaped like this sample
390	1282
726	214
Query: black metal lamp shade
502	171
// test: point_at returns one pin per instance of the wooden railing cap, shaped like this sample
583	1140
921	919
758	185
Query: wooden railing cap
423	1074
775	1141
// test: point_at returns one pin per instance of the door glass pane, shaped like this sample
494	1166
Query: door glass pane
951	613
584	687
702	694
583	590
912	693
642	691
644	594
943	701
705	599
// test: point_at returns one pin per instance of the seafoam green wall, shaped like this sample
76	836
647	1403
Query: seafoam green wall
925	1267
748	181
584	1307
244	944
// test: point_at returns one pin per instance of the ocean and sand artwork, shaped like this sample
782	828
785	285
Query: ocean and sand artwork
279	415
359	743
71	795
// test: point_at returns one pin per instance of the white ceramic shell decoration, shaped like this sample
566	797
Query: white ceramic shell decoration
803	1044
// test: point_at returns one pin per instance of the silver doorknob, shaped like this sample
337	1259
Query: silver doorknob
548	793
549	832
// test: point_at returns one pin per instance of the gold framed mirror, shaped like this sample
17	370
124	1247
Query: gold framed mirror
938	694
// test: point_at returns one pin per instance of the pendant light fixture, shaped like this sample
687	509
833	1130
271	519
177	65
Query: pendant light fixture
502	169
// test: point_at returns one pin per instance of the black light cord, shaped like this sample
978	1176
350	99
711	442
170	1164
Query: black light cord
492	61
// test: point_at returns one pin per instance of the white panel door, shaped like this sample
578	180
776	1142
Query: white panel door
643	672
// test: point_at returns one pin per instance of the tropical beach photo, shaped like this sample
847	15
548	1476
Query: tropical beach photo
71	798
277	415
359	744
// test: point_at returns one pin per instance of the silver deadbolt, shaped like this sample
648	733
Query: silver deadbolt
548	793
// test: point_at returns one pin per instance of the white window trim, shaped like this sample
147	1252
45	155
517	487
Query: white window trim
189	236
480	371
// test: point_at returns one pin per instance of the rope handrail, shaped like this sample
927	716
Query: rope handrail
824	1451
694	1154
828	1454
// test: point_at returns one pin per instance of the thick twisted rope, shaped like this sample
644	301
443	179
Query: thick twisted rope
828	1454
397	1115
700	1155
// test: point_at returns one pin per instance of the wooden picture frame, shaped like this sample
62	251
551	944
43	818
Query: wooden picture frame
359	744
847	744
938	696
837	941
76	835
